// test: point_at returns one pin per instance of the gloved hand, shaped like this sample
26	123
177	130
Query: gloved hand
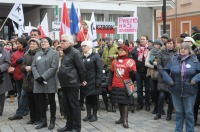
20	61
40	80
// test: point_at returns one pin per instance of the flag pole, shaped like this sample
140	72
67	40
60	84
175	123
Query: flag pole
3	24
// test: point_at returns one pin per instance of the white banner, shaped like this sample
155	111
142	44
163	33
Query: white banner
92	31
127	25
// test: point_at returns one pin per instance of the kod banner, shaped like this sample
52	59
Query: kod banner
127	25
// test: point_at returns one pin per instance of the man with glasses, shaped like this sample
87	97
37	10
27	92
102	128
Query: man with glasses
71	76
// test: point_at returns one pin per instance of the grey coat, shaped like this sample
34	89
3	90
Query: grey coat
45	64
6	84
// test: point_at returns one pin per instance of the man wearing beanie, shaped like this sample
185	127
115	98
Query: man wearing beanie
196	35
164	38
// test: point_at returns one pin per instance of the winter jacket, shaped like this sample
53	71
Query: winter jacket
181	86
139	65
164	57
124	67
45	64
5	82
17	72
28	80
110	51
93	77
72	70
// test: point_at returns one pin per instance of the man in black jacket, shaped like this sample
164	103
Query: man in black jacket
71	76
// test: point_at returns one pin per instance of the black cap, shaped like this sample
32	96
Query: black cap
49	40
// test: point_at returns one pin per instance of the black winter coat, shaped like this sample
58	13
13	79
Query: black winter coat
72	70
93	68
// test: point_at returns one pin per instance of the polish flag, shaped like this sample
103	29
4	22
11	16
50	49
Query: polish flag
65	23
44	28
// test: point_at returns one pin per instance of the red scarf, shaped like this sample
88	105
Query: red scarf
142	52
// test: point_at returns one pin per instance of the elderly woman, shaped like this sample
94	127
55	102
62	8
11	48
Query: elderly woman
28	80
182	74
5	82
126	68
44	68
93	88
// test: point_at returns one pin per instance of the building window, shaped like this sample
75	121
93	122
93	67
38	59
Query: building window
183	2
168	29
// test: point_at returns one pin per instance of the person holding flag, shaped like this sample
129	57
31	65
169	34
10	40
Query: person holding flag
83	34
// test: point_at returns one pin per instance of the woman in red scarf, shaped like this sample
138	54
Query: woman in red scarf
126	68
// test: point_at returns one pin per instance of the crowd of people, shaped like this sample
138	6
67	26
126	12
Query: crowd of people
164	70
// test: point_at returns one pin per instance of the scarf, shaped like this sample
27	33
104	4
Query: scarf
88	53
154	54
142	52
183	66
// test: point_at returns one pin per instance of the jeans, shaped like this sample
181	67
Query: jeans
155	92
184	108
73	110
140	79
22	99
161	99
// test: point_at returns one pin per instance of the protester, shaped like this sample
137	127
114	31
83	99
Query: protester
139	54
5	82
196	35
125	68
56	43
164	57
28	80
83	34
164	38
44	67
93	66
151	62
35	33
71	76
16	61
182	74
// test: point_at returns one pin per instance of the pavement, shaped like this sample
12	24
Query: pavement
139	121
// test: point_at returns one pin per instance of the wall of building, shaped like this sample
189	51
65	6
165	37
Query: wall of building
145	23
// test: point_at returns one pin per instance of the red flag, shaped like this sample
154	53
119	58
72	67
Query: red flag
41	31
44	28
65	23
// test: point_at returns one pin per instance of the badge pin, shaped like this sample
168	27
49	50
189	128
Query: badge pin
0	55
39	57
88	59
188	66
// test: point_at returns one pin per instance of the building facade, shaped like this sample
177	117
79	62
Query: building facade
34	12
181	19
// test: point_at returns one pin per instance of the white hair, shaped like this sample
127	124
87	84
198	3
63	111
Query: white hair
69	38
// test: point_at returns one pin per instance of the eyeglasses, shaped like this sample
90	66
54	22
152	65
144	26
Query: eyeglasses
63	40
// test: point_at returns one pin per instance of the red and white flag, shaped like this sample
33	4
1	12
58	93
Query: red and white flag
65	22
44	28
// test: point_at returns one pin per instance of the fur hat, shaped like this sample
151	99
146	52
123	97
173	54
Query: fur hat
87	43
49	40
186	39
125	47
35	40
165	35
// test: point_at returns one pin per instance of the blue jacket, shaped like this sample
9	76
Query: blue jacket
172	73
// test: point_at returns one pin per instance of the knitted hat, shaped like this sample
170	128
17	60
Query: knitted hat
125	47
165	35
189	39
35	40
195	28
22	42
49	40
87	43
158	41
